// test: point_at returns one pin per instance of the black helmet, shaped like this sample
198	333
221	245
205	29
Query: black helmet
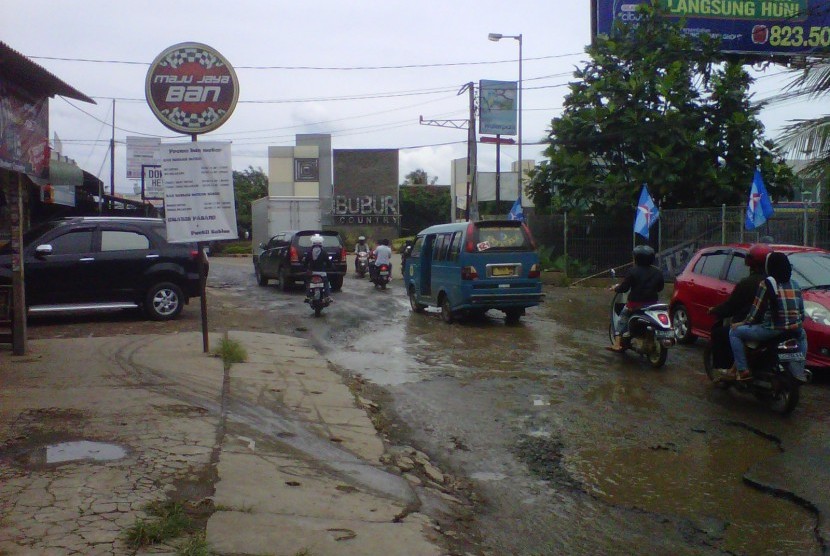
643	255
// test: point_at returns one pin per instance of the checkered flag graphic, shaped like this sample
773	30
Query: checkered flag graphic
186	55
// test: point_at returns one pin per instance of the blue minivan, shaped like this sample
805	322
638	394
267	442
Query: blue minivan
467	268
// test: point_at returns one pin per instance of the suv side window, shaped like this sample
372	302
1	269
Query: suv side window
79	241
737	268
712	264
123	240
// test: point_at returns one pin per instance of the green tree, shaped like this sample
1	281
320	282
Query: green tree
655	106
248	185
423	206
810	139
419	177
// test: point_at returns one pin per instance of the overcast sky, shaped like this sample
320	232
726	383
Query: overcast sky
363	71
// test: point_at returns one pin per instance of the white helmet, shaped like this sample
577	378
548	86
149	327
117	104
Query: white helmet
316	239
361	238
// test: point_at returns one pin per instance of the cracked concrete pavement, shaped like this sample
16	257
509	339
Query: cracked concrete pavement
278	448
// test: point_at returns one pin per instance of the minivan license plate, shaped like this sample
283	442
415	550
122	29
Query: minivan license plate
502	271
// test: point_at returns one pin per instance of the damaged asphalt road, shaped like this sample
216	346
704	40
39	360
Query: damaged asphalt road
564	447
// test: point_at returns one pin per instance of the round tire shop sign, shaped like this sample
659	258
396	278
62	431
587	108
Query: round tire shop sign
191	88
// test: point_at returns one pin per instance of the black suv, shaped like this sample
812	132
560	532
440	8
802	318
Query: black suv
105	263
281	258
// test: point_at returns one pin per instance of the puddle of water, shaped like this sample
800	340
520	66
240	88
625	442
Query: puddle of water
80	450
700	482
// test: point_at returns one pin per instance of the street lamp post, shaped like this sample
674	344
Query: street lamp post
497	37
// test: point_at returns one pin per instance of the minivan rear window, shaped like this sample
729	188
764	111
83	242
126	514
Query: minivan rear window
502	238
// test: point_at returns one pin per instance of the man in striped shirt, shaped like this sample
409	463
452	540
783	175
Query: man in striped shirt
779	307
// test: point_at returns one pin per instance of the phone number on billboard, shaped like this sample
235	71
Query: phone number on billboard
795	36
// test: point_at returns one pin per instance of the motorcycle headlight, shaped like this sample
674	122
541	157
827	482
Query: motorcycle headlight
817	313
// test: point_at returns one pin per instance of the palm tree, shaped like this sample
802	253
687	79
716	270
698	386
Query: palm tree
810	139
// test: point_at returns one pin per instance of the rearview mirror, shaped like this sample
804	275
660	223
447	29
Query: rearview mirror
43	250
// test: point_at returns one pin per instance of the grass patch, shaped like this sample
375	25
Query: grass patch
168	521
194	546
231	351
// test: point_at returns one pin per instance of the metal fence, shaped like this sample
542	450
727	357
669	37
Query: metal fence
591	245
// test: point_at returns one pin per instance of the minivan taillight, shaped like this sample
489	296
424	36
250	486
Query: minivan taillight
469	273
470	247
292	253
194	254
342	253
535	272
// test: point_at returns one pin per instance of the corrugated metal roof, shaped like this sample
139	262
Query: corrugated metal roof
18	69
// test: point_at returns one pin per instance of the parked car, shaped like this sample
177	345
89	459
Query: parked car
105	263
712	273
281	258
468	268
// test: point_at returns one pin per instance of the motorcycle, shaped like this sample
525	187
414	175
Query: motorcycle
316	292
771	381
361	264
382	276
650	332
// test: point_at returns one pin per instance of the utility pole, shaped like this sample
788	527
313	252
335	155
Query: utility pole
470	125
112	152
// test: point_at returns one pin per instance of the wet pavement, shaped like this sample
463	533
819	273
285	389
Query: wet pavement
557	446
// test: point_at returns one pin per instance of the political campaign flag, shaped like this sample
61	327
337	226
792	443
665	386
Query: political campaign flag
647	214
516	212
759	208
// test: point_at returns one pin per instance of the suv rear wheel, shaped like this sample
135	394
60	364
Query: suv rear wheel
164	301
336	282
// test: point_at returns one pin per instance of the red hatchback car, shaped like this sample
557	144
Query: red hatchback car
711	276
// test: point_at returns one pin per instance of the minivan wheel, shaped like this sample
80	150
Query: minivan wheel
164	301
512	316
682	325
336	283
413	304
446	310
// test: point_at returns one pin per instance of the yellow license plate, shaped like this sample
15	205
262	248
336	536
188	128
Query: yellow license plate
502	271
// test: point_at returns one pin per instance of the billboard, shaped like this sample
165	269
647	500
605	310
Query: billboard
497	101
24	132
762	27
191	88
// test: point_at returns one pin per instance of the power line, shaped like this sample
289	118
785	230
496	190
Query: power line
321	68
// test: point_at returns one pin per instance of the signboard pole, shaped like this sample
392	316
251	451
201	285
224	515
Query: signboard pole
203	286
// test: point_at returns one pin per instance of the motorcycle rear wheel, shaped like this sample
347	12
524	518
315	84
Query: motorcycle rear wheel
785	398
658	357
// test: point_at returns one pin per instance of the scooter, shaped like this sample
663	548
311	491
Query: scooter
771	381
362	264
382	276
316	292
650	332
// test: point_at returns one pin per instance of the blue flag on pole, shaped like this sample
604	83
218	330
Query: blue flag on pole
516	212
759	208
647	214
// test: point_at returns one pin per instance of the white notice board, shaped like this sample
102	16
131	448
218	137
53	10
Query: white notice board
198	191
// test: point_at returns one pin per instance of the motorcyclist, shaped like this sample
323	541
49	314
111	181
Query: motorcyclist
382	255
777	310
737	307
360	247
644	283
315	259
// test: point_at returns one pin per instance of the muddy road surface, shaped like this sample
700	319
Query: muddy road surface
566	448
